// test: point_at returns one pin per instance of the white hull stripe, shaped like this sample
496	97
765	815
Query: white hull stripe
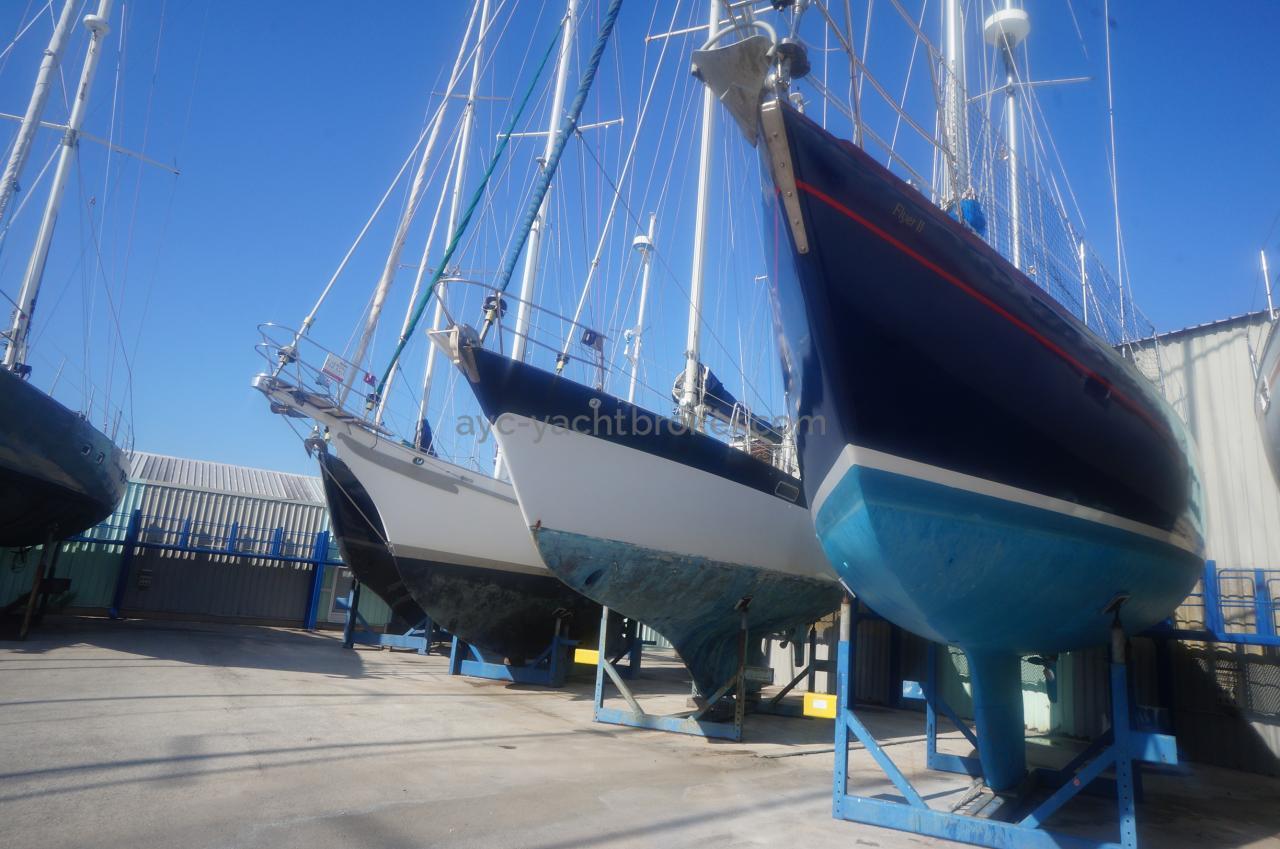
869	458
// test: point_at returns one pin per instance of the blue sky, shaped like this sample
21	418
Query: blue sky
288	121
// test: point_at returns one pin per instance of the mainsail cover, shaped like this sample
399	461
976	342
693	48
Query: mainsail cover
720	404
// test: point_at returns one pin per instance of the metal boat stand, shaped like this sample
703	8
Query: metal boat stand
1121	749
42	586
692	722
775	705
356	630
547	669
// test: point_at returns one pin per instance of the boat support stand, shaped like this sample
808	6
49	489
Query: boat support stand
1121	749
688	722
39	584
356	630
548	669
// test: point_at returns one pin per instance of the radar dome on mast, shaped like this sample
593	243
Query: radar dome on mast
1007	28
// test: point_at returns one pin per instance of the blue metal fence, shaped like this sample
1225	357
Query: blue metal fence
134	532
1240	606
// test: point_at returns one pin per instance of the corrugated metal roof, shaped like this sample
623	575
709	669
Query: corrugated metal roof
1221	323
225	478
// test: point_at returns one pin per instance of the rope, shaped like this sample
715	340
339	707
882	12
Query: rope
476	197
613	204
566	129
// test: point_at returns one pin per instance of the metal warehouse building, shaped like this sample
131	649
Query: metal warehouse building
200	540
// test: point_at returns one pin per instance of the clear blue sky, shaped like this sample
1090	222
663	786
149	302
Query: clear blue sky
288	120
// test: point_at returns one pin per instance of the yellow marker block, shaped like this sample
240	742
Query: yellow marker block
591	657
820	704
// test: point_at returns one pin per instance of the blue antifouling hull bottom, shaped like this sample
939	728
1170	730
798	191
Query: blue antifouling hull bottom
689	600
992	575
997	578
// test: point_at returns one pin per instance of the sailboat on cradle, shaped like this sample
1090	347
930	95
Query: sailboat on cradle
993	472
694	535
414	526
59	474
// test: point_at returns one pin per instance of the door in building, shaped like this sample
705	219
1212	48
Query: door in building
340	580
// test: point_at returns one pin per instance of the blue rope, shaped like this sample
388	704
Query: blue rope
461	229
567	129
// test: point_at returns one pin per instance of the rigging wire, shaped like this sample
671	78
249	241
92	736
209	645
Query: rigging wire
463	224
22	30
622	176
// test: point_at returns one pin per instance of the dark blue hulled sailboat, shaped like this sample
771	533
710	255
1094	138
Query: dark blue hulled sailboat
981	468
58	473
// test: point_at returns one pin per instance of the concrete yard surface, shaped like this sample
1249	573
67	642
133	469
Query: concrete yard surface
147	734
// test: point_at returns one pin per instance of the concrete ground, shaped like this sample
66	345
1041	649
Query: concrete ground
147	734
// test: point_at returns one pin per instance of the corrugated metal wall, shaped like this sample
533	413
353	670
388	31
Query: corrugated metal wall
200	502
1225	699
1209	379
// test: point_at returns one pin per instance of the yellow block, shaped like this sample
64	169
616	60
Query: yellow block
820	704
592	657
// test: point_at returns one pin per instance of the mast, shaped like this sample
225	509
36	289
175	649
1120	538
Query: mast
383	287
689	397
539	222
955	115
455	205
643	244
1005	30
35	108
14	357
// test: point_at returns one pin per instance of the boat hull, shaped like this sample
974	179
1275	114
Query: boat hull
59	475
983	470
463	551
1269	389
666	526
362	540
456	538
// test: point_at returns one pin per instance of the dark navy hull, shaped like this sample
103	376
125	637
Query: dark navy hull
625	506
507	614
983	469
352	517
59	475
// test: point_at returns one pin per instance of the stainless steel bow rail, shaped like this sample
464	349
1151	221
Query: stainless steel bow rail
312	375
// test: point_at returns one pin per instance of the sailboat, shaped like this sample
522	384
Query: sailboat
990	471
454	536
58	473
648	514
1268	383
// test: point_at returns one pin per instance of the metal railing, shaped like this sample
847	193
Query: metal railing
134	532
319	372
201	536
1239	606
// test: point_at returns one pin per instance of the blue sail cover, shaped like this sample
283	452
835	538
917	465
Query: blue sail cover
721	404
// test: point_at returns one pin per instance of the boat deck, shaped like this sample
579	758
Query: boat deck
151	734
